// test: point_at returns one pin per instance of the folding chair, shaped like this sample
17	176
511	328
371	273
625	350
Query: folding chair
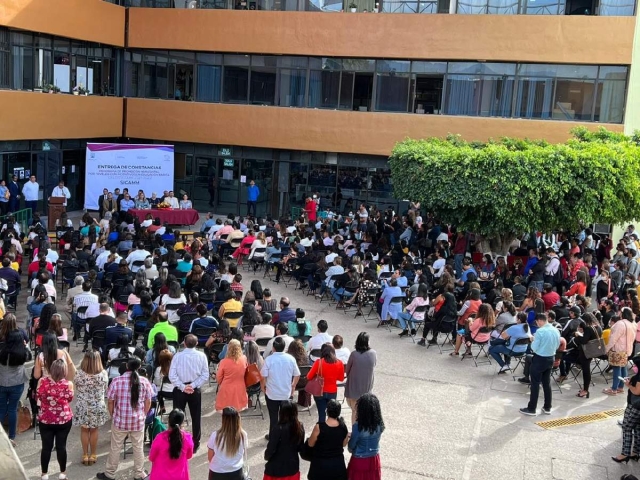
327	290
300	388
369	300
262	343
388	323
214	359
254	391
418	323
597	367
447	326
268	266
520	357
100	336
234	319
481	346
203	334
288	269
257	262
80	334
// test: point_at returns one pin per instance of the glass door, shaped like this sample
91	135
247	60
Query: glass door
48	172
205	183
73	176
261	172
228	186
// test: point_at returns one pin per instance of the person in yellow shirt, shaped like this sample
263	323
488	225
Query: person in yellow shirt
231	304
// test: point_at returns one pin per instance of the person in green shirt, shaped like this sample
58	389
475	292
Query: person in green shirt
163	326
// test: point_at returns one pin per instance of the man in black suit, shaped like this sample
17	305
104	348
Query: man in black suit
101	322
14	190
101	200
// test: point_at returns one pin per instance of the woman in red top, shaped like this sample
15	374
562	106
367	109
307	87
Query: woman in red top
332	370
580	287
310	208
54	395
245	247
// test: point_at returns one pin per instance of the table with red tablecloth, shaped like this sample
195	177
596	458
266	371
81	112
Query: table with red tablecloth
170	216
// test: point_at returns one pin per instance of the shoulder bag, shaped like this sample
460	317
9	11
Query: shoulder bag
315	386
594	348
252	375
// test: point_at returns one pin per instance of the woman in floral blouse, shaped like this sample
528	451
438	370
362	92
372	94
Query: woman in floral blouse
367	282
55	393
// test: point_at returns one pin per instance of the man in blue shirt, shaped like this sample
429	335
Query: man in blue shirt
208	223
545	343
252	197
126	203
467	269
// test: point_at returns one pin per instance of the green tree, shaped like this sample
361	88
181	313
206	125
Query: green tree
503	189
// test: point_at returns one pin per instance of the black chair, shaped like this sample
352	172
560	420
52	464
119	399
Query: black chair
388	323
262	343
185	318
268	266
203	333
254	392
247	329
316	352
303	338
258	262
234	319
174	344
80	332
137	264
207	298
447	325
481	345
304	371
99	336
418	323
369	299
519	356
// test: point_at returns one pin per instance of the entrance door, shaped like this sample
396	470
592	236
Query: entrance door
228	186
261	172
205	170
48	171
73	162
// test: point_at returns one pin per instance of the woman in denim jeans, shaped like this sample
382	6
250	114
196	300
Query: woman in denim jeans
13	356
332	370
364	443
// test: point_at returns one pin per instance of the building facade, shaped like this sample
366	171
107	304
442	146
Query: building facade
303	96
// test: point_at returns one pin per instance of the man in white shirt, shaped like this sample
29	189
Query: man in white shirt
319	339
150	270
61	191
139	254
173	201
335	269
439	264
342	353
30	191
52	255
188	372
282	329
104	256
280	375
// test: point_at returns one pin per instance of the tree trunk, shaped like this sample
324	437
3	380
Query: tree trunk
497	246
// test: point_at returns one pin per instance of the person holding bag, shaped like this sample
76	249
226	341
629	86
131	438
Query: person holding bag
631	419
231	379
323	377
588	338
620	345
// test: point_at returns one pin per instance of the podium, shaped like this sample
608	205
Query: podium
56	208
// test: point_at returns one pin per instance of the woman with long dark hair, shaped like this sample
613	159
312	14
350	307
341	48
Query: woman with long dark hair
227	447
284	444
171	450
332	370
364	443
256	288
49	354
13	356
328	441
586	332
359	371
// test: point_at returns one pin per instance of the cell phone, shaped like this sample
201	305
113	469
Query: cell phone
622	379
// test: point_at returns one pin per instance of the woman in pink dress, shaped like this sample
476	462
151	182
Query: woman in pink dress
230	377
171	450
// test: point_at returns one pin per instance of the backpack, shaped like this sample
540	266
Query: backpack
157	427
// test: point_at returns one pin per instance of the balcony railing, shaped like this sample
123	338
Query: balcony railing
494	7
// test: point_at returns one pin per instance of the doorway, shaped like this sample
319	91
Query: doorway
362	91
427	94
48	172
205	172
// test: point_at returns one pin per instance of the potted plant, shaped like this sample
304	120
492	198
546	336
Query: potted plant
353	7
50	88
83	91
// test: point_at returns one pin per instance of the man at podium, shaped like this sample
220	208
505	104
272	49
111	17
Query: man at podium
61	191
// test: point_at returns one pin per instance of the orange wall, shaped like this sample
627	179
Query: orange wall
28	115
319	130
92	20
523	38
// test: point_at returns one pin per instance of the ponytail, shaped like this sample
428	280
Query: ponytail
176	417
175	442
525	327
134	380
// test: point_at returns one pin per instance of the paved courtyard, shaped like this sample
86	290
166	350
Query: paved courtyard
445	418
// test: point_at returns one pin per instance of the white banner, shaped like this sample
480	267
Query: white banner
136	167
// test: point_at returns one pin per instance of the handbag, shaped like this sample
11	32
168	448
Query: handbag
315	386
594	348
7	193
252	375
24	419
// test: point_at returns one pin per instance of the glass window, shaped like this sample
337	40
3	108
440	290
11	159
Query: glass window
616	8
263	80
392	66
324	87
209	58
324	5
22	67
478	68
358	65
392	92
43	41
346	91
155	80
24	39
132	72
209	83
472	6
236	84
610	101
293	62
543	7
429	67
534	97
485	96
5	59
292	87
239	60
401	6
573	100
502	7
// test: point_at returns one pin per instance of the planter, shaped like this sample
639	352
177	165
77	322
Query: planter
354	10
76	93
86	94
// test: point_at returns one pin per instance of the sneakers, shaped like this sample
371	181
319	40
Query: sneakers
526	411
100	476
403	333
524	381
413	332
546	411
504	369
422	343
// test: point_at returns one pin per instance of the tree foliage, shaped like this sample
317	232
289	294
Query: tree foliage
513	186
